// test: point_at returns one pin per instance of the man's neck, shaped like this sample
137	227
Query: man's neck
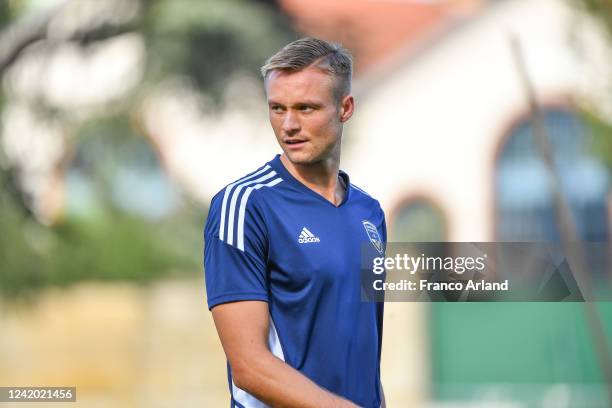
322	177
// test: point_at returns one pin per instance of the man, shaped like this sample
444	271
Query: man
283	248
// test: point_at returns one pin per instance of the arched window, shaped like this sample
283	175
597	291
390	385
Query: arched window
111	166
417	221
518	346
524	195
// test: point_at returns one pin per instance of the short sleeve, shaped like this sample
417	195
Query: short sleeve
235	248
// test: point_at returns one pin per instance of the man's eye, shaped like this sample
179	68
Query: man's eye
306	108
276	108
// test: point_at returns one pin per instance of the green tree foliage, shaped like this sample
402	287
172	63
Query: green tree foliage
104	242
600	9
601	130
209	43
600	127
114	246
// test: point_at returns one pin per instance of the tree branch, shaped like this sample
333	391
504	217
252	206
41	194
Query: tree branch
18	35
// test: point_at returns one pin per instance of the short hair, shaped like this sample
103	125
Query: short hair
300	54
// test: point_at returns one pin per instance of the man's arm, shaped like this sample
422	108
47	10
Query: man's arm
243	330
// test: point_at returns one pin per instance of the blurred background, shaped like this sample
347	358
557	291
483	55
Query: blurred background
119	120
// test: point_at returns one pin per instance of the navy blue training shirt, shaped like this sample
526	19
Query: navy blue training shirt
268	237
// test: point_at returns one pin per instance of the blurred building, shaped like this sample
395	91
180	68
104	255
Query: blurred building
443	136
443	114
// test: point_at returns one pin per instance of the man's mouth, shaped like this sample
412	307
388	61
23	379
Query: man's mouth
295	143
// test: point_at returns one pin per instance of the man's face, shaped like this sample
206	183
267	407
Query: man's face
306	118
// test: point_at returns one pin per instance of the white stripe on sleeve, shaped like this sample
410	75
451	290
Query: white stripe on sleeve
232	208
226	194
243	203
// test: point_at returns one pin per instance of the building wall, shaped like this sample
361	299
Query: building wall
433	127
124	345
120	344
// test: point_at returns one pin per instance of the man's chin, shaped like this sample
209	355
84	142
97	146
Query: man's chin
300	158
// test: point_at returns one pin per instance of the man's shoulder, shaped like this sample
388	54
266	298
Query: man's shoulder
363	195
244	187
236	204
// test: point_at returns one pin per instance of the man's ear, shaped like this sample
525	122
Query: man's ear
347	106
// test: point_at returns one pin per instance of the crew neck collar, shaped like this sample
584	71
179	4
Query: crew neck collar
280	168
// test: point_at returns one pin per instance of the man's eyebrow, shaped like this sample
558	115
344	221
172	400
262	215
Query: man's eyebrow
308	102
298	103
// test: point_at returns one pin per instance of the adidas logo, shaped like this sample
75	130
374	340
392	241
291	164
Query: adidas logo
307	236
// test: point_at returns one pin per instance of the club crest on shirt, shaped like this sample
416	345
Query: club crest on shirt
373	235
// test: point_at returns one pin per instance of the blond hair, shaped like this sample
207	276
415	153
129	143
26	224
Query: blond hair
305	52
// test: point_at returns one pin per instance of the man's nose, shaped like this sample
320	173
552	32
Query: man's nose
291	123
